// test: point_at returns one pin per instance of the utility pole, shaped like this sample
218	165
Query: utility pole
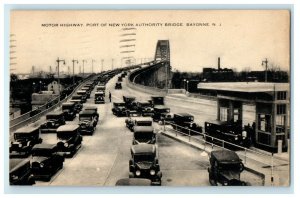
58	80
102	60
266	71
74	61
93	65
83	67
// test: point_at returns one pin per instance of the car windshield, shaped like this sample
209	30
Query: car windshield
143	123
167	110
65	135
229	166
120	105
66	107
143	135
145	104
85	117
144	158
52	117
42	152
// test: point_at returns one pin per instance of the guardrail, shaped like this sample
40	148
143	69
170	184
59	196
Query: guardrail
252	158
43	110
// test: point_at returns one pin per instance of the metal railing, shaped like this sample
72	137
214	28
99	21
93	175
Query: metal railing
42	110
251	158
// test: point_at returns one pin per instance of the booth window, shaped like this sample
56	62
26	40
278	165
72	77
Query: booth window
281	95
223	113
264	122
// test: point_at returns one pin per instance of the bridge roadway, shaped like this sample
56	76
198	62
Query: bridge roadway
103	158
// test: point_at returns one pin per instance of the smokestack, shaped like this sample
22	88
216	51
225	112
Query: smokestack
219	64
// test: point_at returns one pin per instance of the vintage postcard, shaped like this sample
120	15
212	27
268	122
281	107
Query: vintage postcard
150	97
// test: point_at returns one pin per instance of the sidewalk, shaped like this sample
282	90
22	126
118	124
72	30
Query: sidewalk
253	162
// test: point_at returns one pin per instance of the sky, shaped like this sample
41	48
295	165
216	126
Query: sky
242	39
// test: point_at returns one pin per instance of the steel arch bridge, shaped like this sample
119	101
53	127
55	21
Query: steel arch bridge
158	74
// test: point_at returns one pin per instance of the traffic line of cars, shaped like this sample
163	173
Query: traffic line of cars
47	159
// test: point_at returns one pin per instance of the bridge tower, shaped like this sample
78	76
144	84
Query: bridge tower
162	76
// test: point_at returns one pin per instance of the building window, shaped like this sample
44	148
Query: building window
281	95
223	114
281	109
236	113
264	122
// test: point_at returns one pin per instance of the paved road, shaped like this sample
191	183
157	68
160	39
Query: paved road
103	158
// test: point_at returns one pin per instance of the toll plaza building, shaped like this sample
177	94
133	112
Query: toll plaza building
272	109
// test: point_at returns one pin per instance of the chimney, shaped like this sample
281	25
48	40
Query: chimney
219	65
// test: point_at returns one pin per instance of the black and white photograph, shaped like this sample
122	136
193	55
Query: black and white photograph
184	98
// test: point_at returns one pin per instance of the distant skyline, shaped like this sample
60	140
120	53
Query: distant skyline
242	39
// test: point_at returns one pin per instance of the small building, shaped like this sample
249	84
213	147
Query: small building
55	87
272	106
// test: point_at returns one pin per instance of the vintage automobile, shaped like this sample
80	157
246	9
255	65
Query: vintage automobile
119	109
118	85
20	172
229	132
137	121
157	100
45	161
78	97
68	108
162	113
184	122
225	168
131	106
99	97
123	74
53	121
82	93
24	139
87	122
143	134
120	79
87	90
145	108
133	182
78	105
95	110
144	163
100	88
69	140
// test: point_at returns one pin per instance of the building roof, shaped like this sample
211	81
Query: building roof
249	87
67	128
145	129
143	148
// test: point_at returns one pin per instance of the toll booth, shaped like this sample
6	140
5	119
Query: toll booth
272	109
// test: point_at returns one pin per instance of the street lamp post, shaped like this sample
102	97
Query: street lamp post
40	85
102	60
33	86
74	61
187	86
58	80
83	67
93	65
